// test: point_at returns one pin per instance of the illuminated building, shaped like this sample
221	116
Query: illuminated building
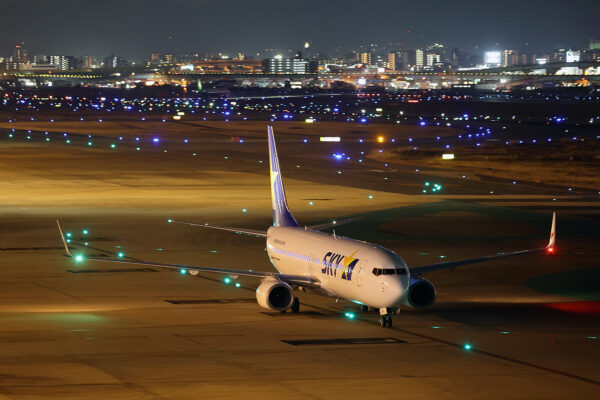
280	65
365	58
594	44
492	58
154	58
510	58
168	58
113	61
419	59
88	62
62	63
432	59
20	55
591	55
391	61
573	56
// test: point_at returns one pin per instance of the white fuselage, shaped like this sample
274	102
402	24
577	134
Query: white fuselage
346	268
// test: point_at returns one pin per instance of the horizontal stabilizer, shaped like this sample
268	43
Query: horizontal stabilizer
332	224
224	228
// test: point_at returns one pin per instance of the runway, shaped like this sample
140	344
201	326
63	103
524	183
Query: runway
525	327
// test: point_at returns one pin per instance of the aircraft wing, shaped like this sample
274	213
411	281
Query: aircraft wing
416	271
224	228
194	269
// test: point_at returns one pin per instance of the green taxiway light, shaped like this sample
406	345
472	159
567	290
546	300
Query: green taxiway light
120	254
10	135
370	196
349	315
182	271
68	141
68	240
169	220
436	327
467	346
68	234
90	143
112	146
79	258
227	280
85	231
237	284
244	210
426	183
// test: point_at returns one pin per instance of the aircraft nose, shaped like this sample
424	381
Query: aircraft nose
395	290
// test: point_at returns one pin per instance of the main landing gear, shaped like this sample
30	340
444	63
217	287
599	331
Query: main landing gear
386	318
295	306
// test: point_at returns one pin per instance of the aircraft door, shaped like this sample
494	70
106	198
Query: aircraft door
360	271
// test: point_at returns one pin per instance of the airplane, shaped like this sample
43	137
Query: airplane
307	259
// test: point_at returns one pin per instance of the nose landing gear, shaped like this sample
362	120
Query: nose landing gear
386	321
386	318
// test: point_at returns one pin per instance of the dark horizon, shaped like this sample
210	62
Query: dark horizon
136	28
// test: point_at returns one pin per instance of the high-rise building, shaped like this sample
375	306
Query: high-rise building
169	58
594	44
419	59
432	59
510	58
154	58
591	55
559	55
113	61
62	63
365	58
20	55
406	59
391	61
88	62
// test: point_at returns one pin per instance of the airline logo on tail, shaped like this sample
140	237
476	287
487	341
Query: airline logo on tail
333	262
281	213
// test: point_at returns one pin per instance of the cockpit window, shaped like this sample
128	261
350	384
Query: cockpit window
389	271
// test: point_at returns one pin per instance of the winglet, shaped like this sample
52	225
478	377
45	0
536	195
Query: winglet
550	247
63	240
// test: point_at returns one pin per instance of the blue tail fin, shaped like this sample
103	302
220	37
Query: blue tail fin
281	214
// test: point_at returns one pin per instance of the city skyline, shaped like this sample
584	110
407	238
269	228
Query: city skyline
135	29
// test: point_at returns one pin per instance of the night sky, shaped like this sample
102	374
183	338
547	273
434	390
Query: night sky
135	28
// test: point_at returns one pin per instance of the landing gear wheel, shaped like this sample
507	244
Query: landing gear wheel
386	321
296	306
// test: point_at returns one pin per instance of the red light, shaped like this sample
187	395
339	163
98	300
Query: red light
550	250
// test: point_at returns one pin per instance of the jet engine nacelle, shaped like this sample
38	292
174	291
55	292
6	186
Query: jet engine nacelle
420	293
274	295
